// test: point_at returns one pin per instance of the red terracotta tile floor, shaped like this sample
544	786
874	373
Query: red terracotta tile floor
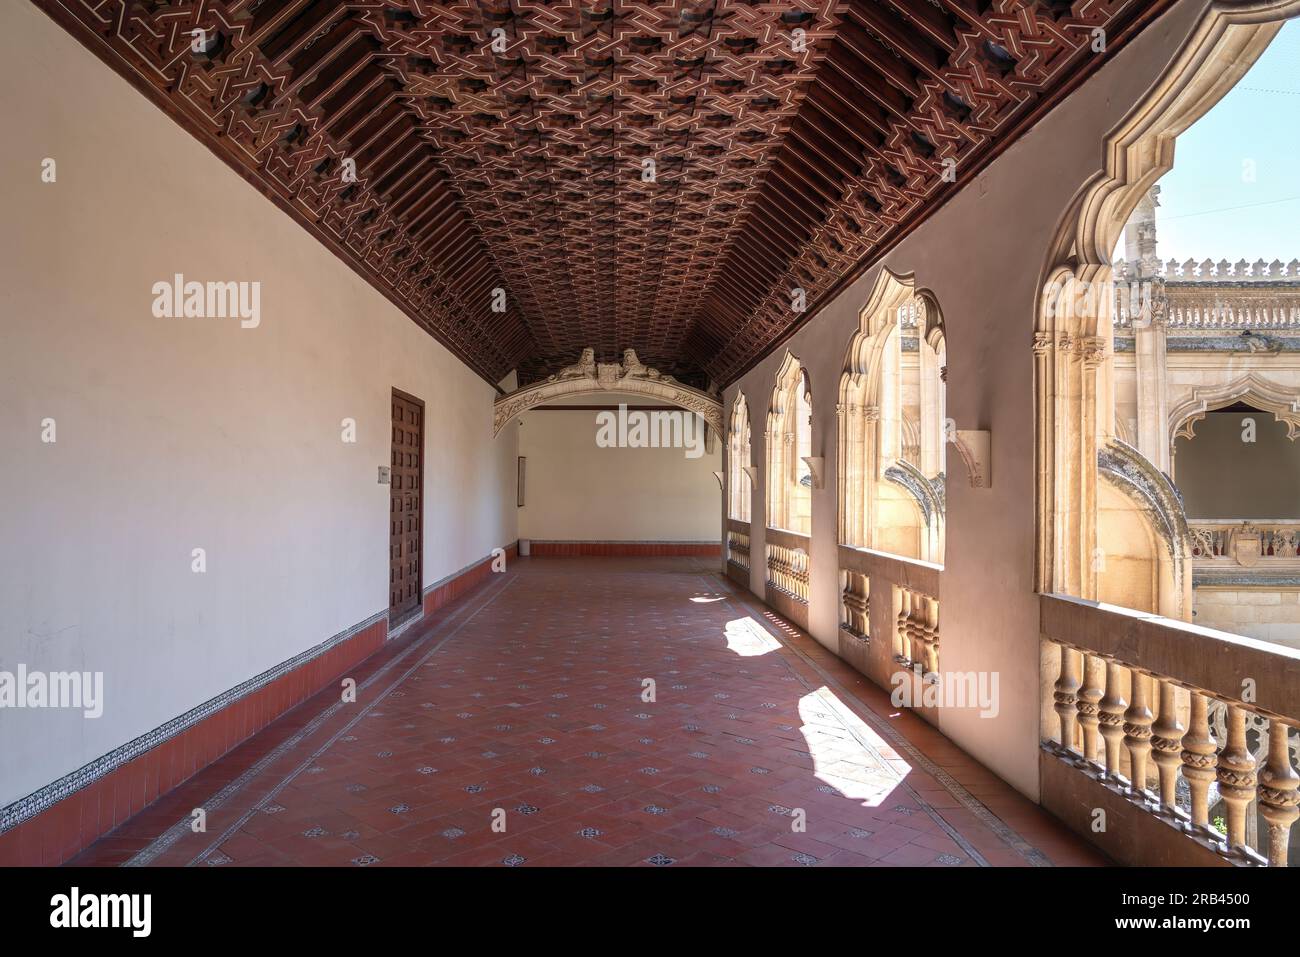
525	703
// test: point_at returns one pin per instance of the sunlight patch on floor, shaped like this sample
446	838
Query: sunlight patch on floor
748	639
833	732
839	757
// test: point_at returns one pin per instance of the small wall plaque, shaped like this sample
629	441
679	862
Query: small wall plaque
385	475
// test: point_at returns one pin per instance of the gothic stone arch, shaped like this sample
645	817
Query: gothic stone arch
588	377
1073	334
782	439
739	453
870	427
1256	390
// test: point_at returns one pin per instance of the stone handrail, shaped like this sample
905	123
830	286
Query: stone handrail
1133	697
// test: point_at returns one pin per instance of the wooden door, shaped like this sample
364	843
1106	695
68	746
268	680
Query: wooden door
406	511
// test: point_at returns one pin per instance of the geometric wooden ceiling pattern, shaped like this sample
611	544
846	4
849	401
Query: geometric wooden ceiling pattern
655	176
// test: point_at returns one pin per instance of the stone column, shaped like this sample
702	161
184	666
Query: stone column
932	412
1071	375
1150	335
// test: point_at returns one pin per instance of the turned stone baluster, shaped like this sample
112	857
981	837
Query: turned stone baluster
1094	676
932	632
904	610
848	600
1066	706
1167	737
1112	708
916	633
1137	732
866	605
1236	776
1199	759
1279	799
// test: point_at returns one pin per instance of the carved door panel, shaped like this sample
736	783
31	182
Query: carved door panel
405	518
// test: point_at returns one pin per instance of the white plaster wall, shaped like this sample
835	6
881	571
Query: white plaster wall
578	491
983	256
179	434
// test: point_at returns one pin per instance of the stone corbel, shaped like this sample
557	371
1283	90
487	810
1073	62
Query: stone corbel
721	485
817	465
752	472
975	446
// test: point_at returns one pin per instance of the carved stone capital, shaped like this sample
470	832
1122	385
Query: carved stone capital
1092	350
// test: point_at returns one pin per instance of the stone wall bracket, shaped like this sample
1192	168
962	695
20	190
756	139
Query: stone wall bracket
975	446
817	465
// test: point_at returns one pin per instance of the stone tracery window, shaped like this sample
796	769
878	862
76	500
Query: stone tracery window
789	444
739	487
892	425
1141	328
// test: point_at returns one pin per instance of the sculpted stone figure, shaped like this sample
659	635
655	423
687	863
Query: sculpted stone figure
584	368
1255	344
634	368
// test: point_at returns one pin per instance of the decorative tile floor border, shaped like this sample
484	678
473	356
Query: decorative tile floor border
182	826
27	810
40	800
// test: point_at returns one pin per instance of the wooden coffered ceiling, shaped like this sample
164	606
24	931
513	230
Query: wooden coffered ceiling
503	145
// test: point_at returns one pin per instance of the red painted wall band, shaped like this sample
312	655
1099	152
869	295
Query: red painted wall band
624	549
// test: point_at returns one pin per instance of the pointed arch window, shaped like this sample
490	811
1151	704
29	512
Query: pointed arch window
892	425
789	445
739	487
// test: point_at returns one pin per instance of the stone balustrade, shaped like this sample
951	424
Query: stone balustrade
1134	696
787	563
1212	307
738	545
1229	541
902	596
787	574
1208	296
917	638
738	557
855	604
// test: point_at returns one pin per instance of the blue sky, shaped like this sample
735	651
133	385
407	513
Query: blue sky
1207	208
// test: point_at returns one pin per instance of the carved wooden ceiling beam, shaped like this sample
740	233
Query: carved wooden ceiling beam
630	173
